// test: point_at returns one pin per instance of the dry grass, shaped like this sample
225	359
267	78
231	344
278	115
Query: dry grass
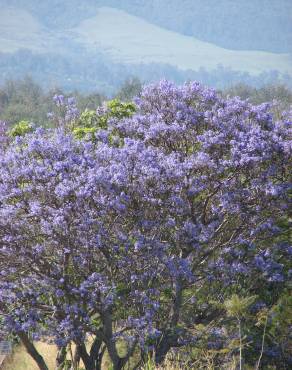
21	360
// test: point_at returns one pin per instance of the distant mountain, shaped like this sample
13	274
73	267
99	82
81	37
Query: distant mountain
129	39
82	43
234	24
19	29
264	25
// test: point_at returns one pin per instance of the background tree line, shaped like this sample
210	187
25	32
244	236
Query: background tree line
24	99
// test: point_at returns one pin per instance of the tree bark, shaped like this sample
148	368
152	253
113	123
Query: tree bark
170	335
29	346
177	302
162	350
61	357
108	337
76	358
96	353
87	361
93	360
118	362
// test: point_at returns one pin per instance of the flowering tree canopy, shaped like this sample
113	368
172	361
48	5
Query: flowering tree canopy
117	237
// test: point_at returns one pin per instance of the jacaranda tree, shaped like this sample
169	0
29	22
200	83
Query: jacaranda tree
125	238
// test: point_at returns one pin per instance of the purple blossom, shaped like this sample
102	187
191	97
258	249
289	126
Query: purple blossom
59	100
189	201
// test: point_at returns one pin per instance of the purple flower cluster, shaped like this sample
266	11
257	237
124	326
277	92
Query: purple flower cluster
95	235
66	113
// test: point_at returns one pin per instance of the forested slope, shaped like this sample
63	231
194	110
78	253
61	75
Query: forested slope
241	24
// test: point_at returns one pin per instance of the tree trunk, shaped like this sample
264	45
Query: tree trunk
161	351
76	358
61	358
32	351
170	335
89	365
108	338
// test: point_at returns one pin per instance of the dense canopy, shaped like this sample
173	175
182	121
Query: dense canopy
148	228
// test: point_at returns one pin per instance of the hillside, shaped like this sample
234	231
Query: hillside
21	30
242	24
129	39
86	44
234	24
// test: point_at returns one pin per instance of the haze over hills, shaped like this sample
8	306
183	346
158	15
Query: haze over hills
21	30
72	42
235	24
129	39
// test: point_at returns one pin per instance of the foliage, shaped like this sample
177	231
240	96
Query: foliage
90	122
119	109
130	88
3	133
24	99
143	241
82	132
108	77
21	128
277	93
236	306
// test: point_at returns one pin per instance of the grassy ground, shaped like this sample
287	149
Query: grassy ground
21	360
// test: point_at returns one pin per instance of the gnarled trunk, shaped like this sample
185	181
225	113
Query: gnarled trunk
61	358
29	346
